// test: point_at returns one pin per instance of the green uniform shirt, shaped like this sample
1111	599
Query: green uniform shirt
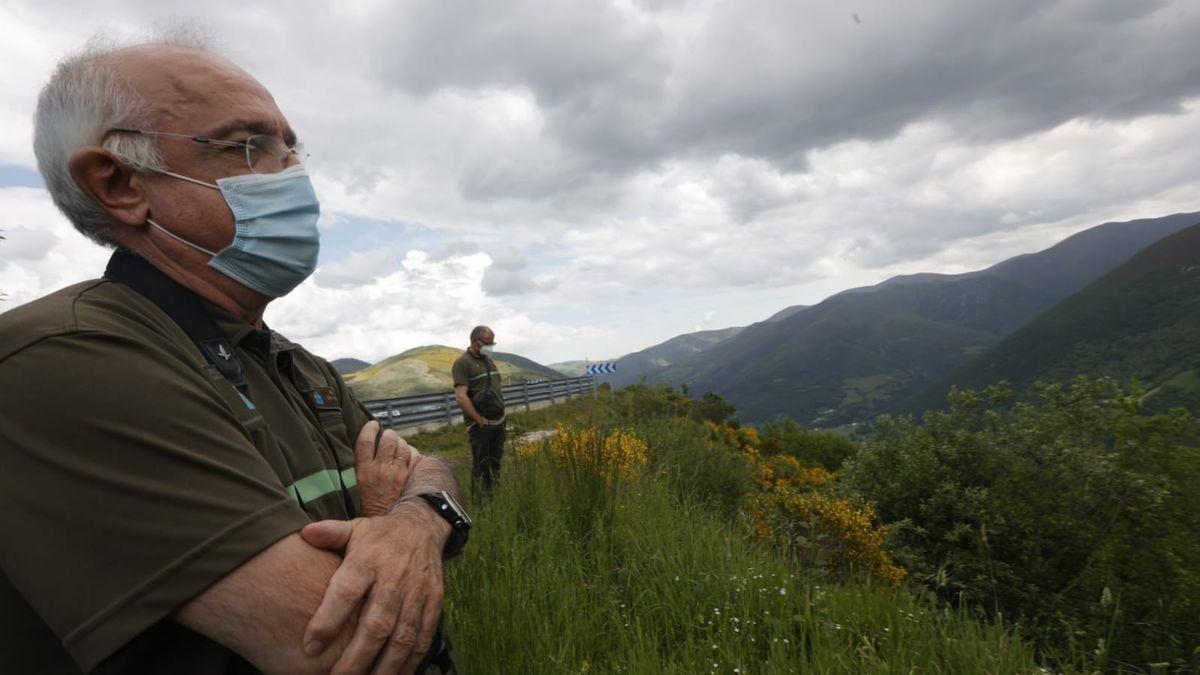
477	373
135	476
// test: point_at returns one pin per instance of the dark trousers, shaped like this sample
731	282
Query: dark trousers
487	447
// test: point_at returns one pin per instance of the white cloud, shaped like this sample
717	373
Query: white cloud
357	269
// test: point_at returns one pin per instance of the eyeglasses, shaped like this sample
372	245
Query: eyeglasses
264	153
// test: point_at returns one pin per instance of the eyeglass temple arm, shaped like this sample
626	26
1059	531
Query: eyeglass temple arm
198	139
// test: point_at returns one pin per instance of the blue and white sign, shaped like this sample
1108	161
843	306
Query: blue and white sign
597	368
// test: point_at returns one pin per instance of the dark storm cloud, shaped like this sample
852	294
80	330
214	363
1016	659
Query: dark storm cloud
776	79
779	82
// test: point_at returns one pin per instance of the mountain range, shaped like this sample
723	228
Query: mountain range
1141	320
867	350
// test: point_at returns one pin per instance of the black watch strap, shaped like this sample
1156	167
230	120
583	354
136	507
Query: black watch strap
452	512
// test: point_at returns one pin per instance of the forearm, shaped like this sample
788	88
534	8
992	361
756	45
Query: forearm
431	474
260	609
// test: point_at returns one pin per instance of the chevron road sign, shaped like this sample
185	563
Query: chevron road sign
597	368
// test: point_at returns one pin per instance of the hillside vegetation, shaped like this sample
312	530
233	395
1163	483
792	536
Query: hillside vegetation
1140	321
425	370
650	534
641	538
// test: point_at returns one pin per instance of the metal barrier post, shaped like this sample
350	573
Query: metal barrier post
525	394
449	411
551	388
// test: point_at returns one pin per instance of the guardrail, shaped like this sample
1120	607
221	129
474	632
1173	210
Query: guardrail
423	409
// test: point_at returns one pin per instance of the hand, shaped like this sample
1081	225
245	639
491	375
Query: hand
393	569
381	470
481	421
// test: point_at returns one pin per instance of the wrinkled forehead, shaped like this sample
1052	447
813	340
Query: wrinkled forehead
195	92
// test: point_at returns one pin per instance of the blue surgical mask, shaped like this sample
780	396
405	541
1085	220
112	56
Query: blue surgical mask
277	240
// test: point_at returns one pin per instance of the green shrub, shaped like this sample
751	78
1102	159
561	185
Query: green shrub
712	408
644	402
1073	515
812	448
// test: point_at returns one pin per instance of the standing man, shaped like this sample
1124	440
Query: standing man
477	388
186	490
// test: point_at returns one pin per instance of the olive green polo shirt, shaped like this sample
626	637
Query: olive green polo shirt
134	476
476	373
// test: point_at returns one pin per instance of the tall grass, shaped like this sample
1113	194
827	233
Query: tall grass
574	569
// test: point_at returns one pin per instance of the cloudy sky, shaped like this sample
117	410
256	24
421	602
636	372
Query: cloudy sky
591	177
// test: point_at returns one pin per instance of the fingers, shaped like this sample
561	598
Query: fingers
347	587
374	632
405	639
429	622
390	445
364	445
330	534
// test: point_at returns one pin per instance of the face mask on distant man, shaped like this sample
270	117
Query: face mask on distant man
277	239
486	350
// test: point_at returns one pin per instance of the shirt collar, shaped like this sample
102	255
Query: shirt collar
241	333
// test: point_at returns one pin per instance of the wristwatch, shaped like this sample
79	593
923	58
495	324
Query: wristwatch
460	523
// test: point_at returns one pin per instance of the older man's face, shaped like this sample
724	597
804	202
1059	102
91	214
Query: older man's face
195	93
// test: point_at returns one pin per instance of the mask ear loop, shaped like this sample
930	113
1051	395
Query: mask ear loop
181	239
191	180
172	234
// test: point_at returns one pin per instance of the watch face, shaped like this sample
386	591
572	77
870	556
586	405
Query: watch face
458	509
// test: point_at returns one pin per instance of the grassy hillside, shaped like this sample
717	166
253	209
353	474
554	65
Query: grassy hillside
1142	320
865	350
424	370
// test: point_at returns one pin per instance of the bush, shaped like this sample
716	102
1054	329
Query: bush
713	408
643	402
1073	515
813	448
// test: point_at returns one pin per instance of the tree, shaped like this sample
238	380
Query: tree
1074	515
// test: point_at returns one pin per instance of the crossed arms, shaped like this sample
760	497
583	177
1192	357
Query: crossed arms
358	596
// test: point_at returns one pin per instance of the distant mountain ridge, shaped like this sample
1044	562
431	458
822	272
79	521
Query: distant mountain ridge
347	365
652	360
424	370
1141	320
862	351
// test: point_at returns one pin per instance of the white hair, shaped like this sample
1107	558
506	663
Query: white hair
82	102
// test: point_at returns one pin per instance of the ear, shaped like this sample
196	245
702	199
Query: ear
114	186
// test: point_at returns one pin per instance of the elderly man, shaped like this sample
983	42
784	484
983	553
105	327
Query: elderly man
477	388
185	490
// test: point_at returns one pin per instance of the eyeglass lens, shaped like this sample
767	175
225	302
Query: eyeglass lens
269	154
